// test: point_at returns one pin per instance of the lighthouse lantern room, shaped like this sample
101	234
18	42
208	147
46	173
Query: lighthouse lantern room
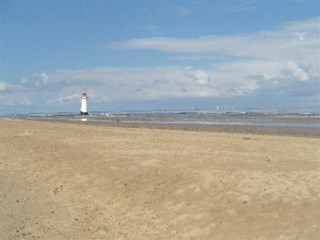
84	106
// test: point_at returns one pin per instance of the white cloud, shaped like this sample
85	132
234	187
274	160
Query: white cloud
66	99
202	77
300	35
297	41
297	72
279	61
148	83
10	97
5	86
275	58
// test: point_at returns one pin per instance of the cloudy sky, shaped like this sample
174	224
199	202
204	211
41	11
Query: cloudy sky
159	54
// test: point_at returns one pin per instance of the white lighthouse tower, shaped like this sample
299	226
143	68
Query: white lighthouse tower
84	106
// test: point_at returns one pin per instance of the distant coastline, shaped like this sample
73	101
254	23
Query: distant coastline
298	123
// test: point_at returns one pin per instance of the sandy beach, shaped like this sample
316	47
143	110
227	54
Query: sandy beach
82	181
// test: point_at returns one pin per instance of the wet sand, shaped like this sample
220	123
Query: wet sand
269	125
312	132
92	181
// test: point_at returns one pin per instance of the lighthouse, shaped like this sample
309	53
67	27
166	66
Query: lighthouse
84	106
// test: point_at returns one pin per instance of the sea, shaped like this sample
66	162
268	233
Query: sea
240	117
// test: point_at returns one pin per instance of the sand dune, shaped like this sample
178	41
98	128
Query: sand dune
76	181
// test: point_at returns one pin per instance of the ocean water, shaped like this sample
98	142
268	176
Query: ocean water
242	117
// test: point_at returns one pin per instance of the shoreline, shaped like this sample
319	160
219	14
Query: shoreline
313	132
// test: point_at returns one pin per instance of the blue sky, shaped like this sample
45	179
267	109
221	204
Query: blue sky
154	54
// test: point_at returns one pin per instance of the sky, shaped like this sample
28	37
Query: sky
151	55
